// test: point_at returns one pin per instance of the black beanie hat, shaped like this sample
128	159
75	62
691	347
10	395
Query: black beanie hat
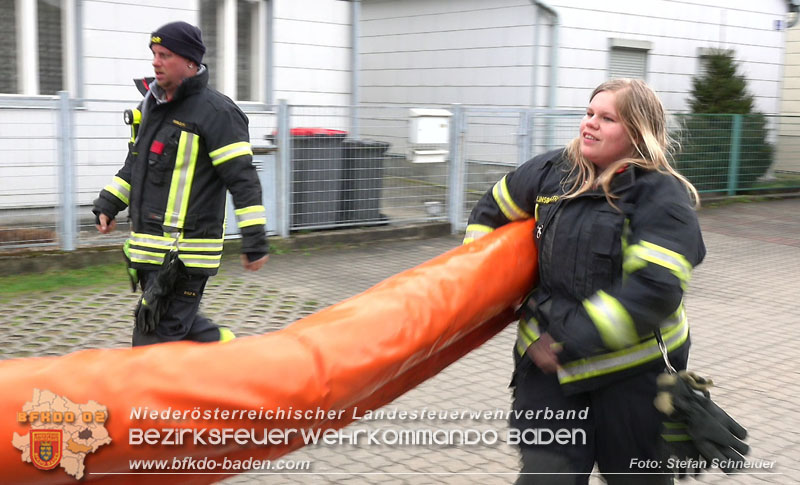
181	38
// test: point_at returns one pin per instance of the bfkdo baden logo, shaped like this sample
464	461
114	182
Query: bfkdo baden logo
62	432
46	446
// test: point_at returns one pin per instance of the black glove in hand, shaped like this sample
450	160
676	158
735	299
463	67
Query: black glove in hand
683	457
149	314
717	436
155	300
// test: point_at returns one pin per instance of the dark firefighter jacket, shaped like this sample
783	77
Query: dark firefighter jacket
607	277
183	155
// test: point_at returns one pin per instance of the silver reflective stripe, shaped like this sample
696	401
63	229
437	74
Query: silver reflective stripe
612	320
638	255
150	241
527	333
181	184
503	198
120	189
476	231
147	257
222	155
674	336
210	245
251	216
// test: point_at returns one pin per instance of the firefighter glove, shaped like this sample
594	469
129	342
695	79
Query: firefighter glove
155	300
683	457
718	437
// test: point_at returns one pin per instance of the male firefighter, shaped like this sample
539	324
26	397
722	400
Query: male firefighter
189	144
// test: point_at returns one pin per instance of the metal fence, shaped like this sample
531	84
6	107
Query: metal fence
325	167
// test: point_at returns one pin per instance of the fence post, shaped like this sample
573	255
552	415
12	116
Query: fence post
284	169
456	172
733	163
523	138
66	223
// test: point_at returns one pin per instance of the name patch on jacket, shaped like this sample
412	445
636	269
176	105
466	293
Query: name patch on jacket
547	199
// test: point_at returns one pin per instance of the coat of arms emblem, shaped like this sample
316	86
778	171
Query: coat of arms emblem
46	447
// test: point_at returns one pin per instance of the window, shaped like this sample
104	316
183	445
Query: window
628	58
234	32
32	58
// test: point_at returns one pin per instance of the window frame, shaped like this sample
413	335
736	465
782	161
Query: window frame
224	78
28	94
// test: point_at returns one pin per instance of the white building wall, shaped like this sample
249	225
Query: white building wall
116	38
312	51
442	52
788	153
476	52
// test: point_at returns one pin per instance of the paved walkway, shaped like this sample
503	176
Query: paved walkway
742	303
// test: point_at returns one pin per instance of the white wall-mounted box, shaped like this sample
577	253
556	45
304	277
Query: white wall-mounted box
429	126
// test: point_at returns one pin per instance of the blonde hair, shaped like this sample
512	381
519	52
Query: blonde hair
645	123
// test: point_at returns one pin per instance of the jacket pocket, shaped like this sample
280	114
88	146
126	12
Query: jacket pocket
606	255
161	155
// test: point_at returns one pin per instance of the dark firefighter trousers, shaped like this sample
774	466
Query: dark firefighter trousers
622	430
182	320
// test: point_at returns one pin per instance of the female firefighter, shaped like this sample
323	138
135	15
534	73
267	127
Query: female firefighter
617	237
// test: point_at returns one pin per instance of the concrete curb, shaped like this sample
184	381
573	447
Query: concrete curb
41	260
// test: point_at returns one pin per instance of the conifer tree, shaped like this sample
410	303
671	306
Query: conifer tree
722	89
708	134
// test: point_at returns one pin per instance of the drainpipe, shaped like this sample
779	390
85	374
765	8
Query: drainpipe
355	67
553	78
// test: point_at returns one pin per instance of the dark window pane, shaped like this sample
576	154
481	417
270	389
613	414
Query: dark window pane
245	43
8	52
208	24
51	68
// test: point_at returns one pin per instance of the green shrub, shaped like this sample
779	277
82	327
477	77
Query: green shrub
706	146
707	135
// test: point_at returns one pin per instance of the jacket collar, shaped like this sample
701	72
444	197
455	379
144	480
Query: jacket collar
623	180
189	86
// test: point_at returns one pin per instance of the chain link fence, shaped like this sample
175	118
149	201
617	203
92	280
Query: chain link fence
324	167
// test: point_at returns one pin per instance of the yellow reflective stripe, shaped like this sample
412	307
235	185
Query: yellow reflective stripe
476	231
612	320
153	237
506	203
222	155
536	211
226	334
182	177
674	336
200	260
151	245
120	189
251	216
166	243
197	240
639	255
675	431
